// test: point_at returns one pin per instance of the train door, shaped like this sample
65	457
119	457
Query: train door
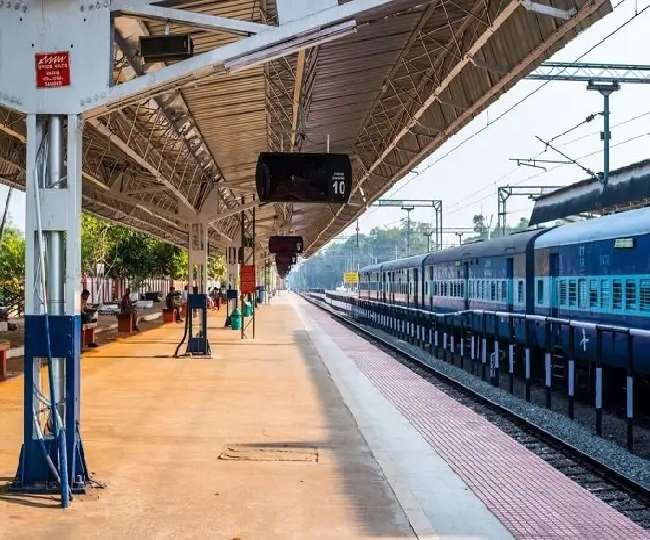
416	292
510	276
379	286
466	284
553	272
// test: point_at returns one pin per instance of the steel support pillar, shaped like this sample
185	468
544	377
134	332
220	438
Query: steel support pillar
52	457
197	299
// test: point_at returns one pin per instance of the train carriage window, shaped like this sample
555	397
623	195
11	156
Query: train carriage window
462	289
593	293
582	293
540	291
605	294
617	294
573	292
504	291
644	295
630	294
493	291
563	292
520	291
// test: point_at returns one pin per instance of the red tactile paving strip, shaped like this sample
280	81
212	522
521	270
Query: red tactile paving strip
530	498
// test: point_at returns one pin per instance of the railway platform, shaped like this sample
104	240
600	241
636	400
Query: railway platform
308	431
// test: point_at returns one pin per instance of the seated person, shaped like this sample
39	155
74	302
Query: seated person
88	315
172	301
128	307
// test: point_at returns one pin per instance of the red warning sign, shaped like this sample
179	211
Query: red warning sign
247	278
52	69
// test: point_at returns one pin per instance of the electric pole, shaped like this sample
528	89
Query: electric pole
408	209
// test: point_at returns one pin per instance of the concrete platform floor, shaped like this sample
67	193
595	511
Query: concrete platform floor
154	427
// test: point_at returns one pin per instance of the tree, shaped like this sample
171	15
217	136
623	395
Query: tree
126	253
216	268
521	226
12	270
480	226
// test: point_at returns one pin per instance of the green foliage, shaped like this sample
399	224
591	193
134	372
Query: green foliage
217	268
128	254
12	269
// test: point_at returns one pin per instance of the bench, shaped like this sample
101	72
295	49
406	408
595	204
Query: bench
4	349
125	323
88	335
168	315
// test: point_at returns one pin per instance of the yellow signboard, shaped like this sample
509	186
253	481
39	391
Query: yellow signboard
351	277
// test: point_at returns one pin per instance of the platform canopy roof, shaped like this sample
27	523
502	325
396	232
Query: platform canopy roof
388	86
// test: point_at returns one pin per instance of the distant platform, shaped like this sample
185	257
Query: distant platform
308	431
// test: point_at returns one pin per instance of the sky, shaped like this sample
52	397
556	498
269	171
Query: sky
467	178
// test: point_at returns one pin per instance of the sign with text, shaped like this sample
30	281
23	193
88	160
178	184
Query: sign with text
247	278
351	277
52	69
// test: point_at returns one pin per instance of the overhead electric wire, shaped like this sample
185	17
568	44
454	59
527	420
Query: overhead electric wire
541	173
470	137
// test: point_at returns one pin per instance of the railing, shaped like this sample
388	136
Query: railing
491	334
102	290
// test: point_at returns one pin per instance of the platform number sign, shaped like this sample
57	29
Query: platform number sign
338	185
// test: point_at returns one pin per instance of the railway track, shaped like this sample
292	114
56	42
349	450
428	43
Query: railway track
619	492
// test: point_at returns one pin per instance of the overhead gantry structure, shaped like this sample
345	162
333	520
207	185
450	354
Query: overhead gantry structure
170	148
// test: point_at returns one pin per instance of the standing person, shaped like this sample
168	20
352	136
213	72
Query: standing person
172	302
127	306
184	296
88	315
214	294
210	299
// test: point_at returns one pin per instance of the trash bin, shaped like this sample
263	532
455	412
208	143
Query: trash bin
235	319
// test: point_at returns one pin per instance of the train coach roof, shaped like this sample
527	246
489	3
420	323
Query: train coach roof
625	224
370	268
504	245
407	262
